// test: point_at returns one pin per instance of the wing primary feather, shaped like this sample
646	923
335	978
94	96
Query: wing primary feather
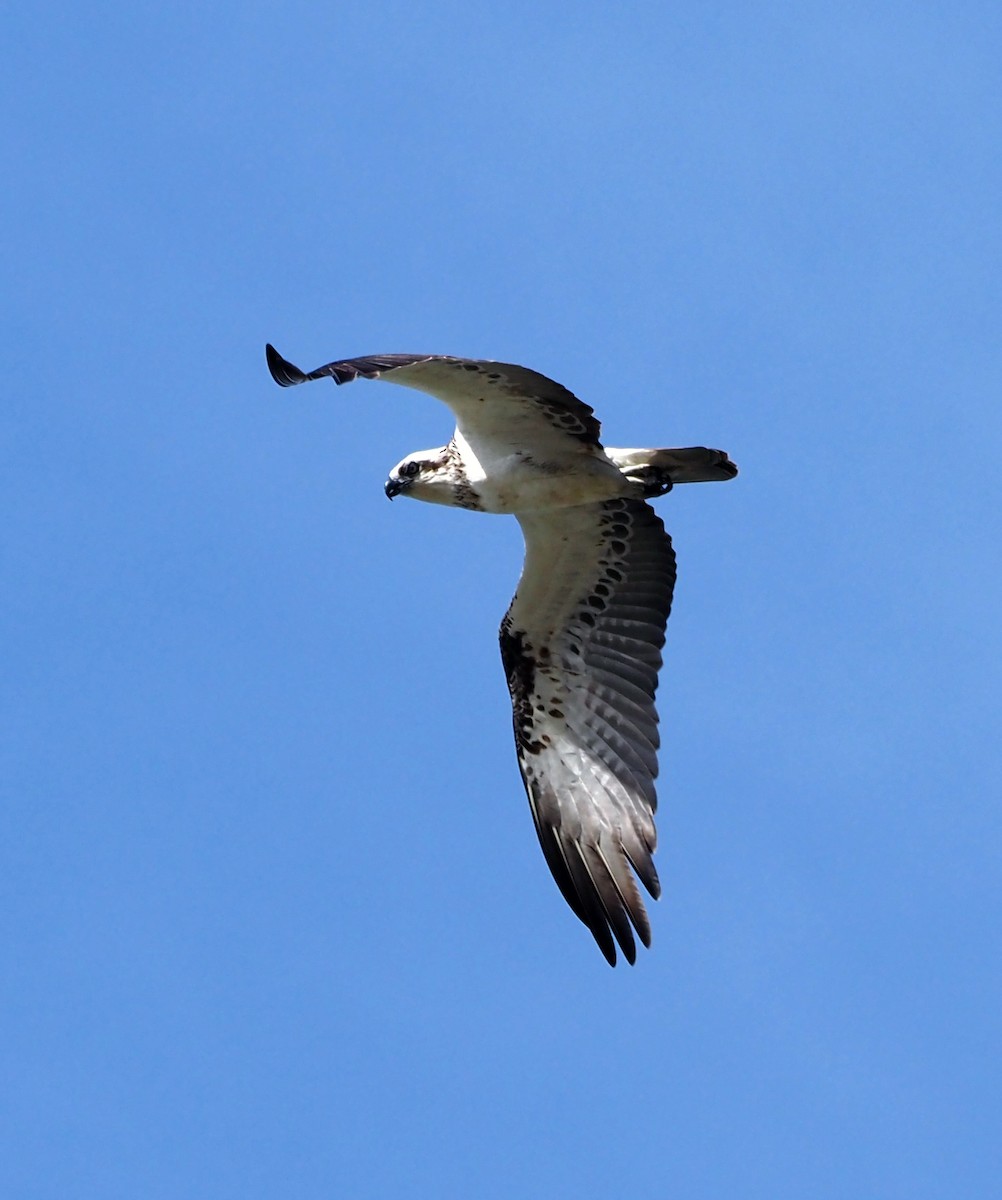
549	840
596	917
573	880
643	864
609	899
628	894
284	373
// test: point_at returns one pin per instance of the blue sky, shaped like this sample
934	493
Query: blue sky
275	922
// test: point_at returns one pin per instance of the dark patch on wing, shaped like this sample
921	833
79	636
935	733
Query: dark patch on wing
520	670
520	667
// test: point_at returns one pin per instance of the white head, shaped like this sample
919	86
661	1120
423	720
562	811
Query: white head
436	476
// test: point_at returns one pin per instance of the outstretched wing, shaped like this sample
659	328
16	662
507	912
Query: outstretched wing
510	406
581	645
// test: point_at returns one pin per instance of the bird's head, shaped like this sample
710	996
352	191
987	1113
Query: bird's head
424	475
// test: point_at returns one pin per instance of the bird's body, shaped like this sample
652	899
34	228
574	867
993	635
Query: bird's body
581	641
518	481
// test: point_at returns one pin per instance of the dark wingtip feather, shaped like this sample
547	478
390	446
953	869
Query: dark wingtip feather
725	464
284	373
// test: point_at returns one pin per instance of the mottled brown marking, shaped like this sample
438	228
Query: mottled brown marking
520	669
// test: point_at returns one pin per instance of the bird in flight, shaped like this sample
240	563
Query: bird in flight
581	641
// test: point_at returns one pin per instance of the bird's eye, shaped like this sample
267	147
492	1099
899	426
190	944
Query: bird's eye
410	469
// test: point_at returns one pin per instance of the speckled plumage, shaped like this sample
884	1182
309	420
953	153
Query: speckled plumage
581	641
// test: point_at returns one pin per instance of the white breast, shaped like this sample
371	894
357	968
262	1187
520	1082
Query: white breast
519	482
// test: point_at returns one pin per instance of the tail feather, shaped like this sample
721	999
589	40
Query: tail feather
693	464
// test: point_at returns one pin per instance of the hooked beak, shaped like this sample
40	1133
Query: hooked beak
394	487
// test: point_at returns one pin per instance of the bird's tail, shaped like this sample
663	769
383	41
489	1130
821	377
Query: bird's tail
694	464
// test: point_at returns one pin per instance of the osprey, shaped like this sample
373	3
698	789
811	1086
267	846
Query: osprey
581	641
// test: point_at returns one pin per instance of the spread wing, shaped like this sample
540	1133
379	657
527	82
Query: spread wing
581	645
509	405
